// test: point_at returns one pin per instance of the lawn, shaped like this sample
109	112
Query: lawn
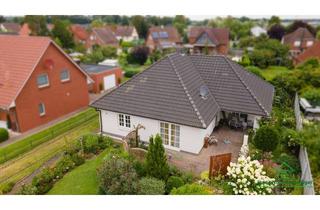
82	180
273	71
133	67
13	150
16	169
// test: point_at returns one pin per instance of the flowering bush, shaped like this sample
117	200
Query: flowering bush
248	178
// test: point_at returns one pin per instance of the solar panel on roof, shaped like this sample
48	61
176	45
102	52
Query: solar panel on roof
163	34
155	35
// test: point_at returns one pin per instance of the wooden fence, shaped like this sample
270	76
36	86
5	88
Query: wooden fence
306	176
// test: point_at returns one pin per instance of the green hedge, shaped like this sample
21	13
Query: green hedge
4	135
13	150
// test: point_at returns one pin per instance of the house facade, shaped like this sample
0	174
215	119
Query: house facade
41	88
183	98
105	77
10	28
311	52
103	37
208	40
163	37
80	34
126	33
298	41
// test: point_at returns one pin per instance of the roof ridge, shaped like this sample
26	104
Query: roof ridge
188	94
246	86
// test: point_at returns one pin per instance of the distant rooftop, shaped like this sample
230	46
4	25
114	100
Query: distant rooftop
94	69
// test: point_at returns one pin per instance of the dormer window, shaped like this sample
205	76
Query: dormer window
297	43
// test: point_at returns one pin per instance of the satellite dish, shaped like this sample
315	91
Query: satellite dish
204	91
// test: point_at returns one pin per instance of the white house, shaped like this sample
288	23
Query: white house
126	33
183	98
257	31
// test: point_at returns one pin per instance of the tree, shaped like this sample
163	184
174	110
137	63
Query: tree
96	23
266	139
117	176
180	23
2	19
276	31
139	55
62	32
300	24
37	24
156	160
141	25
274	20
151	186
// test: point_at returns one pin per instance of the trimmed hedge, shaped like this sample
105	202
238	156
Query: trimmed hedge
130	73
4	134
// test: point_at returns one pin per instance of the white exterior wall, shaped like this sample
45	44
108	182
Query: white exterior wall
191	138
255	120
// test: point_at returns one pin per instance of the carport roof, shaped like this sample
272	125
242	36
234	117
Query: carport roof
95	69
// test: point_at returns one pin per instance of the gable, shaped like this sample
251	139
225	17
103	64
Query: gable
204	39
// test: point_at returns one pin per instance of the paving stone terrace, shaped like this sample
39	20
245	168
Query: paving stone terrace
199	163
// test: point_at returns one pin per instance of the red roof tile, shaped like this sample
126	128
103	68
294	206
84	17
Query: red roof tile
217	35
79	32
312	52
11	27
173	35
301	34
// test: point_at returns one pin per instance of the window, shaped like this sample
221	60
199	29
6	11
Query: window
43	80
309	43
64	75
297	43
174	130
124	121
42	110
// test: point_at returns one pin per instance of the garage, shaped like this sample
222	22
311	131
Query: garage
109	81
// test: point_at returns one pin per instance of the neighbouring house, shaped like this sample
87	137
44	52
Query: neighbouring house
38	82
80	34
257	31
105	77
183	98
10	28
126	33
163	37
311	52
298	41
102	37
25	30
209	40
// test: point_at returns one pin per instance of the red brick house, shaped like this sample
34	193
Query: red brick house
10	28
105	77
162	37
311	52
298	41
212	40
38	82
102	37
80	34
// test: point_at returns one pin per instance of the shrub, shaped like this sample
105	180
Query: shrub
289	162
117	176
89	143
77	159
63	166
156	160
138	55
255	70
28	190
174	171
266	138
4	134
151	186
191	189
140	168
44	181
312	95
187	177
248	178
7	187
104	142
130	73
291	138
174	182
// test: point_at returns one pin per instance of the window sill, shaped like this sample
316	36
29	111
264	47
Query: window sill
42	115
65	81
43	86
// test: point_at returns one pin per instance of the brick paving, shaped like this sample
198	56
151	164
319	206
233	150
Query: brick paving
198	163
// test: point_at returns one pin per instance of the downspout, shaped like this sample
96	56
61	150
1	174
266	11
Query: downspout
100	121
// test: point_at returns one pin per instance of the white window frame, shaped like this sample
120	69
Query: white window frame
124	121
67	79
170	141
44	85
43	108
309	43
297	43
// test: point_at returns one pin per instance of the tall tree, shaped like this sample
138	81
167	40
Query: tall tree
276	31
156	160
180	23
140	24
300	24
274	20
37	25
62	33
2	19
97	23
